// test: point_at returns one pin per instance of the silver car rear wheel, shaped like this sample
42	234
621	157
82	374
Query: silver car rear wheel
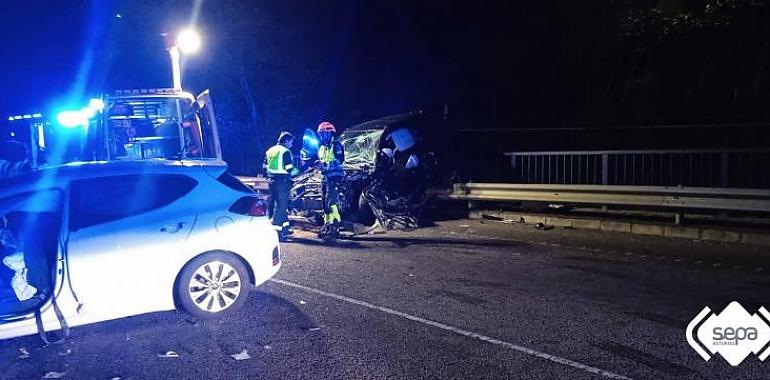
214	286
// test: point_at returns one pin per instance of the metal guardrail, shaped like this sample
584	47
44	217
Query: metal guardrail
256	183
738	168
640	196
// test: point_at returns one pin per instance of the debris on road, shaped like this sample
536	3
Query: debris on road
54	375
465	225
169	354
24	353
499	219
65	352
314	329
243	355
301	302
542	226
268	347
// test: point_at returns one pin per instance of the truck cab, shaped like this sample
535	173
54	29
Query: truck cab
156	123
162	123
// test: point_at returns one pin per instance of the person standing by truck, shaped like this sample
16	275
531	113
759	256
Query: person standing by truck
331	155
279	165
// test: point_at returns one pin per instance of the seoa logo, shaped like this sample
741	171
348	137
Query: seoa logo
734	333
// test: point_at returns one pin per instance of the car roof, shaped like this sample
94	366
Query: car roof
48	177
385	122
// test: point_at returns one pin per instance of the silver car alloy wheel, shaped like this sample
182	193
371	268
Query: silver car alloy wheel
214	286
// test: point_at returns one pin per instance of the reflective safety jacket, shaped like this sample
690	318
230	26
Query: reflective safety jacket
331	156
279	162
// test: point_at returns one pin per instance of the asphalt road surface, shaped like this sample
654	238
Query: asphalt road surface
462	300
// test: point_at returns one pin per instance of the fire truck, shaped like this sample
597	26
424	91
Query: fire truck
161	123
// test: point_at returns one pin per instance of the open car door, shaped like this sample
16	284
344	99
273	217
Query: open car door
32	265
209	130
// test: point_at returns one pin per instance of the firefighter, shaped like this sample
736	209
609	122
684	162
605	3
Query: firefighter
331	155
279	165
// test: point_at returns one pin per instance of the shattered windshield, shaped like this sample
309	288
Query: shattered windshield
361	147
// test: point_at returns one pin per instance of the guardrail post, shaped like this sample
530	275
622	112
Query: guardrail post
724	169
605	168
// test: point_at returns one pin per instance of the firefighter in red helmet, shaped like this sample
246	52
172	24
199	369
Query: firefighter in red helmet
331	155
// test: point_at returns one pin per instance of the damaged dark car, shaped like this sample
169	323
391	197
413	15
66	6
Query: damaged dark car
388	170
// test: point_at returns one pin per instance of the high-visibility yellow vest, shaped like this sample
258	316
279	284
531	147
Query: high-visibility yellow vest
332	165
275	164
326	154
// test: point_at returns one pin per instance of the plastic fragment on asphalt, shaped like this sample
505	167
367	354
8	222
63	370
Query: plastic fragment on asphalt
169	354
465	225
65	352
301	302
24	353
116	378
243	355
54	375
268	347
314	329
542	226
411	274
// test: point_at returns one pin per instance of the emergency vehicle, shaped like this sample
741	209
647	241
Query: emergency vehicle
140	124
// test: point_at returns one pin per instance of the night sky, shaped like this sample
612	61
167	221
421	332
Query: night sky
498	65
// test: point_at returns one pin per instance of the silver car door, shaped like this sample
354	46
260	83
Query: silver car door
127	242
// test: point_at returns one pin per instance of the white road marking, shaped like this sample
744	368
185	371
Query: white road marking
459	331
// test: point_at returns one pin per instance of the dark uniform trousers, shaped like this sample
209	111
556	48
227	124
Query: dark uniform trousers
279	186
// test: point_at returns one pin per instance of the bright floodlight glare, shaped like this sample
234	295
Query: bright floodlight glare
88	112
96	104
188	41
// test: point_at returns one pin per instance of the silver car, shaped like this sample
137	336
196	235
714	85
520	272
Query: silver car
106	240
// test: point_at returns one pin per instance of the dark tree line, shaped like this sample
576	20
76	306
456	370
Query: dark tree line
275	65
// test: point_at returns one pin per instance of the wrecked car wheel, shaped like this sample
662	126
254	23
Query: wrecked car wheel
213	285
365	214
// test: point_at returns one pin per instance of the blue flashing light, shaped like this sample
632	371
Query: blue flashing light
72	119
37	115
17	117
27	116
310	139
79	118
10	118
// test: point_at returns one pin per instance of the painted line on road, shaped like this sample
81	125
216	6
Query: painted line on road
459	331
